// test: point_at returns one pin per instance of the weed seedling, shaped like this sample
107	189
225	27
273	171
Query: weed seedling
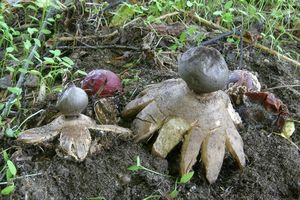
179	181
183	180
10	171
138	167
97	198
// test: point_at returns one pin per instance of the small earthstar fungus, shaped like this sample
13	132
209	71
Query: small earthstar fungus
103	85
191	109
72	127
101	82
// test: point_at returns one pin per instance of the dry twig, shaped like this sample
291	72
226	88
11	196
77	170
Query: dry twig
79	38
112	46
259	46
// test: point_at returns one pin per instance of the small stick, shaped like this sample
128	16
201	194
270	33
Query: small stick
112	5
288	88
241	50
256	45
208	42
131	22
282	86
72	38
167	15
21	177
208	23
25	26
113	46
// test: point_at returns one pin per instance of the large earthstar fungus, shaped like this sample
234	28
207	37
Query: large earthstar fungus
193	110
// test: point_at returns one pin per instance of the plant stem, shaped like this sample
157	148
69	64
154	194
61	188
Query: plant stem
154	172
21	80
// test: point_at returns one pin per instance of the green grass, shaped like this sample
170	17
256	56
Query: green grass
276	19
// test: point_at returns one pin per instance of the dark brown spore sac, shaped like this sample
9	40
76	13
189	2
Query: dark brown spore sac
203	69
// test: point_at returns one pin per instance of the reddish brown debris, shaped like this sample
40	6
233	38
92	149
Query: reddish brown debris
271	104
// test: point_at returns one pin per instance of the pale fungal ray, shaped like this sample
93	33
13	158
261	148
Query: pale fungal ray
74	135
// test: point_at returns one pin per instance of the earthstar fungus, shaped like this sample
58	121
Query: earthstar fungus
101	82
72	127
193	110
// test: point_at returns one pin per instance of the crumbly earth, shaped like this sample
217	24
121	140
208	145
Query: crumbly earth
272	164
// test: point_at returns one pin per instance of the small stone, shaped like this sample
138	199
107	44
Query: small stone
125	179
31	81
5	82
193	188
266	61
